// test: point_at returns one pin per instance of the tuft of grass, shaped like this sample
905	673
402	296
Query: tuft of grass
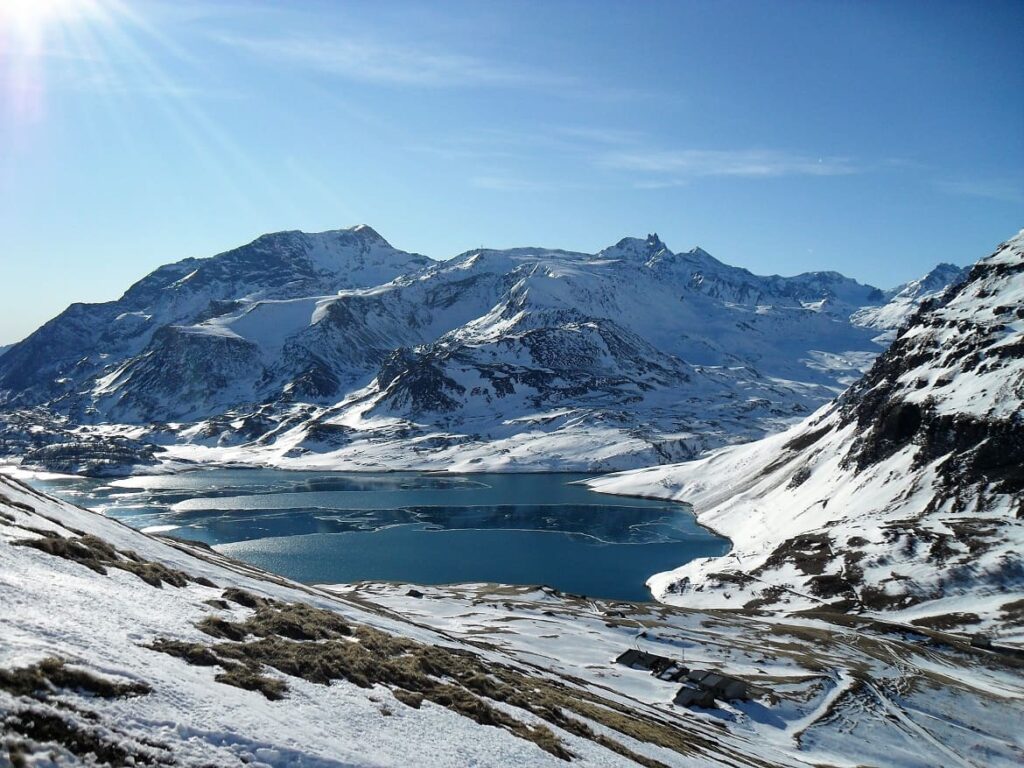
196	654
250	678
5	499
44	678
296	621
246	599
91	745
97	555
947	620
410	699
16	754
214	626
243	674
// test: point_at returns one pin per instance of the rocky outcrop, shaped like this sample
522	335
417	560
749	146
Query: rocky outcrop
904	496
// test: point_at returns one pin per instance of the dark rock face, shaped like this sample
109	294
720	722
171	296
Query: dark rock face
93	457
892	426
180	369
30	371
569	358
316	382
417	384
63	447
980	449
912	482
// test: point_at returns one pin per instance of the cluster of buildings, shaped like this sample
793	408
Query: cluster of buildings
700	687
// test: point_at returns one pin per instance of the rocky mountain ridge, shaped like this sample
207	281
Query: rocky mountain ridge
337	350
905	495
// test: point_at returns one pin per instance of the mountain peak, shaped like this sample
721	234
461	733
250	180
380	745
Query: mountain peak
935	280
361	233
367	233
635	248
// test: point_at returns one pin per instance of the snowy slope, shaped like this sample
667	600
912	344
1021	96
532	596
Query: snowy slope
118	648
336	350
904	496
90	341
903	301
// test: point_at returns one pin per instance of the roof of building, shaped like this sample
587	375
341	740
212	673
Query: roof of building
642	660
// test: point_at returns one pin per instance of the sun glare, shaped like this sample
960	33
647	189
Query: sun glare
27	19
31	31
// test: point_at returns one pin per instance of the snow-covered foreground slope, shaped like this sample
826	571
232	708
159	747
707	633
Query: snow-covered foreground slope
905	496
336	350
118	648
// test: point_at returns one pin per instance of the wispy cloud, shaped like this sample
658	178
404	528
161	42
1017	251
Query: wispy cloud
499	181
988	189
502	183
624	156
371	61
597	135
676	166
108	82
575	143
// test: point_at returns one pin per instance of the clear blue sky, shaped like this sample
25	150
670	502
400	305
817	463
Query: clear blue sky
874	138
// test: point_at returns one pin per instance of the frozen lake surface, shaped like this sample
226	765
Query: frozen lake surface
332	528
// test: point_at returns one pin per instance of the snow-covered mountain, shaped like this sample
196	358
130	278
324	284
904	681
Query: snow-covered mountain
904	496
338	350
902	302
162	316
120	648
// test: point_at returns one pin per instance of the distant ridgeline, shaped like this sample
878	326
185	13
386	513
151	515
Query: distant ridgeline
337	350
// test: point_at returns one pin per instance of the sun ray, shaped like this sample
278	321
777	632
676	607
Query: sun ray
30	32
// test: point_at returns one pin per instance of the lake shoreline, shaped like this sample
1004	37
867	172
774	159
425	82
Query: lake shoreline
430	528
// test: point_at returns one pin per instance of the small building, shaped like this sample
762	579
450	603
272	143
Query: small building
694	696
661	667
720	686
636	659
673	673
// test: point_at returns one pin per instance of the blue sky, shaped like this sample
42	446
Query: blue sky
874	138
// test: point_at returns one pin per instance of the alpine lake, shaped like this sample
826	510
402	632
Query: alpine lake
421	528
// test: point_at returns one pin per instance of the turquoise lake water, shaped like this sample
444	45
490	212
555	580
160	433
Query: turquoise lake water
325	528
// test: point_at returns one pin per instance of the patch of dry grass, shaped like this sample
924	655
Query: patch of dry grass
26	727
319	646
50	675
97	555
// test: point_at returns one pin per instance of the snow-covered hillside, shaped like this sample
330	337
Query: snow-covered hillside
902	302
119	648
905	496
86	346
336	350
